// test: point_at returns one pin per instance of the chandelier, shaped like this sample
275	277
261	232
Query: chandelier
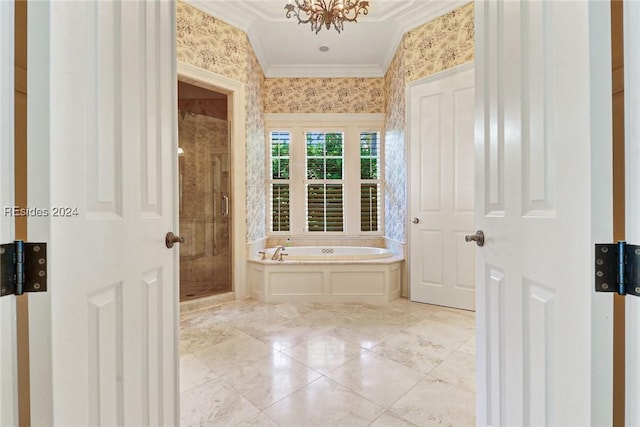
326	12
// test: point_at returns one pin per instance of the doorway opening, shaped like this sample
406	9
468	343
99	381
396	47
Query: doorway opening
204	162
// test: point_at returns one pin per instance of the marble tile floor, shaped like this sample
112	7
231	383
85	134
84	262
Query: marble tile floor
247	363
196	290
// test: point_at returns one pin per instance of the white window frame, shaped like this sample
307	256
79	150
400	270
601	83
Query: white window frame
351	125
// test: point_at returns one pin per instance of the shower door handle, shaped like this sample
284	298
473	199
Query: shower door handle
225	205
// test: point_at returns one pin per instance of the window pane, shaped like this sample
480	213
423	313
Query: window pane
280	168
334	169
280	207
369	155
315	168
369	169
315	144
280	149
369	207
280	144
334	144
369	144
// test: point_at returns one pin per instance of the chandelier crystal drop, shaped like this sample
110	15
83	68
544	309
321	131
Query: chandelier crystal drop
326	12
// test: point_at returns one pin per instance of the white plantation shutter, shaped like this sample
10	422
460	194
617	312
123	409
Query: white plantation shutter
280	149
370	151
325	179
325	207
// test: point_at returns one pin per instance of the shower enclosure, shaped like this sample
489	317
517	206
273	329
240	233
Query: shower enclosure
205	222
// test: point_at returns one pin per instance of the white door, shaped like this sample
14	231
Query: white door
103	162
632	200
8	356
543	198
441	112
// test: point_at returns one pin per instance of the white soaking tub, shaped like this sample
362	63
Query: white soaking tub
326	274
330	253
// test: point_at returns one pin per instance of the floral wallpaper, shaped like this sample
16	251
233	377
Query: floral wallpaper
395	156
324	95
209	43
256	151
214	45
440	44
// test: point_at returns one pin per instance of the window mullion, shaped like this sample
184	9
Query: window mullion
297	180
352	182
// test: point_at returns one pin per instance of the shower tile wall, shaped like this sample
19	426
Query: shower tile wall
204	170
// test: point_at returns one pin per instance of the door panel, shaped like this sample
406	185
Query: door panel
442	189
112	308
543	192
8	346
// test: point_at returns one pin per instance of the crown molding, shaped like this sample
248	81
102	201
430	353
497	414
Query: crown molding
314	119
423	15
392	48
258	48
231	13
324	71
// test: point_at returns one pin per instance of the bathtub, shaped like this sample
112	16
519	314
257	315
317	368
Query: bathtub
326	274
330	253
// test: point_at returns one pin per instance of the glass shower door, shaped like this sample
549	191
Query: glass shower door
205	257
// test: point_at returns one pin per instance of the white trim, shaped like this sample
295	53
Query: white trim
332	119
632	201
601	143
322	70
38	154
351	125
230	13
8	319
236	103
259	48
437	76
415	20
394	44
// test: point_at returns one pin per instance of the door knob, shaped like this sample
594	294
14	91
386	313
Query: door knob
416	220
171	238
478	238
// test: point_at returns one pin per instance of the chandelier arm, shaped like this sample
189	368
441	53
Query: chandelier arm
291	11
356	9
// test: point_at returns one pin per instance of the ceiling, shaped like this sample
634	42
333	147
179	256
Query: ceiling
362	49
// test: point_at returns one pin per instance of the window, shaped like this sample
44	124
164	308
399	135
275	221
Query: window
324	184
280	194
325	179
369	180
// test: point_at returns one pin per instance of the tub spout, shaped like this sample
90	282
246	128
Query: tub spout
277	254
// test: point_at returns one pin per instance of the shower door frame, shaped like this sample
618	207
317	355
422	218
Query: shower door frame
236	116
